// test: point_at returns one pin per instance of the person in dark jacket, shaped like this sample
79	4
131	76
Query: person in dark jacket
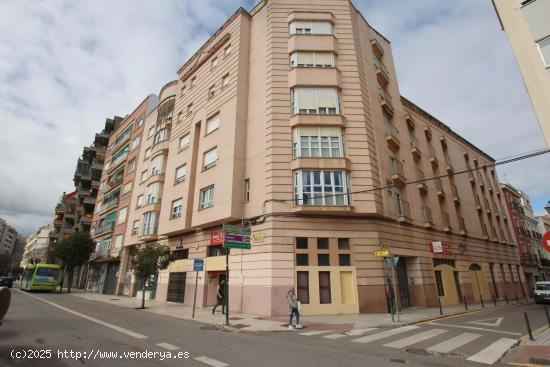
220	297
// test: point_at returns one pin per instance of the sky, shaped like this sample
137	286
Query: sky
72	64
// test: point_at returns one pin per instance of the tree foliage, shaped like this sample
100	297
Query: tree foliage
147	260
73	251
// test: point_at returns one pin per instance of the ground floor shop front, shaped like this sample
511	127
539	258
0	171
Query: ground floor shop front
332	265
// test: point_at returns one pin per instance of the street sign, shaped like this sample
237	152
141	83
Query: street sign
382	253
236	237
216	237
546	241
198	264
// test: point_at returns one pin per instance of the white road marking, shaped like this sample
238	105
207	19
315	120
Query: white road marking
493	352
210	361
90	318
334	336
454	343
494	322
385	334
168	346
475	328
309	333
416	338
357	332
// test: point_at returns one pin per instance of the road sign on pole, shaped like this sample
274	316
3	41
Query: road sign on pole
546	241
236	237
198	265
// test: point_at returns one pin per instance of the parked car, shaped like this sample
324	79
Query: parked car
542	292
6	282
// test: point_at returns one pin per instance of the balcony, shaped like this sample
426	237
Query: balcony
148	233
449	166
471	177
446	222
433	157
314	77
443	141
398	175
392	136
108	205
114	164
422	188
481	183
118	144
381	72
487	207
160	146
440	191
454	192
385	102
462	226
312	42
403	210
427	217
410	121
376	48
102	229
102	250
415	150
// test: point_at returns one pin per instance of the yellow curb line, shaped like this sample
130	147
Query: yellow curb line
467	312
525	364
535	333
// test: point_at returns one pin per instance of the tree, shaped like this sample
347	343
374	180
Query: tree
73	251
147	260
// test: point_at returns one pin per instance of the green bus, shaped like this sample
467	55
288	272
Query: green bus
40	277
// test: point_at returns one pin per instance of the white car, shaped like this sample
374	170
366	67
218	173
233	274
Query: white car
542	292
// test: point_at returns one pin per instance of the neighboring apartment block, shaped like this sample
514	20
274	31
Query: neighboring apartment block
8	237
289	118
527	25
114	196
36	246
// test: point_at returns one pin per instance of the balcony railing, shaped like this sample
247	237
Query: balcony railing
421	185
385	101
104	228
433	156
454	191
462	225
403	209
392	135
398	173
109	204
381	72
427	215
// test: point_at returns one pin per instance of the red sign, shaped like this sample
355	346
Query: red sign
216	237
440	248
546	241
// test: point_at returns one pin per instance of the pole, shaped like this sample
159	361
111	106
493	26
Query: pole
506	296
227	287
528	326
195	295
386	288
495	300
440	307
547	316
465	303
395	290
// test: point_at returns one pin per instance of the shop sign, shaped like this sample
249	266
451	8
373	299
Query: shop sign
440	248
546	241
216	237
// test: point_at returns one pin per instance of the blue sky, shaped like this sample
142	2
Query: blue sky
70	65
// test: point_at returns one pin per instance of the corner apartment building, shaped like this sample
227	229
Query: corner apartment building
8	237
113	198
533	257
527	25
36	247
289	118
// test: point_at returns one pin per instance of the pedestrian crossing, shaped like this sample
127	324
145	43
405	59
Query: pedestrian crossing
485	349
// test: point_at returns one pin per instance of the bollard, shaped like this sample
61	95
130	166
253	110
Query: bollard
482	304
547	316
495	300
528	326
506	296
465	303
440	308
517	301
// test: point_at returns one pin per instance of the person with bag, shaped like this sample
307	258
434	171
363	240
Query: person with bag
293	307
220	297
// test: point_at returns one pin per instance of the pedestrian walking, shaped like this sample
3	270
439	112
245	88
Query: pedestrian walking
293	308
220	297
390	296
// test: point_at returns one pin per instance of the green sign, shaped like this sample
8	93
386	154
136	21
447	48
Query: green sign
236	237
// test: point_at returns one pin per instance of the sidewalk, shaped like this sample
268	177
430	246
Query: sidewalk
533	352
255	323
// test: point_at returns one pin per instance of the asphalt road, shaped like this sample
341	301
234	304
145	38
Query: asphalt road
49	326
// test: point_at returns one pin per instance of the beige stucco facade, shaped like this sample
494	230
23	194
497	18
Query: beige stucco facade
245	121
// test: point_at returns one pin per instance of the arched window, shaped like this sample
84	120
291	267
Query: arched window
475	267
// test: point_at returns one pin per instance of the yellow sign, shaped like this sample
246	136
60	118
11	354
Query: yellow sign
382	253
258	237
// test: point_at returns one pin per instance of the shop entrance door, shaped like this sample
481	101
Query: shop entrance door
403	283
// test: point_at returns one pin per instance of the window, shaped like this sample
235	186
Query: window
301	243
322	243
302	260
213	123
511	273
343	244
123	135
225	80
227	51
323	259
139	121
147	153
190	108
122	215
193	82
118	243
206	199
344	259
324	287
149	223
310	27
214	63
135	227
216	250
180	254
181	172
139	202
156	165
182	91
131	166
153	193
160	136
317	142
324	101
312	59
184	142
179	117
211	91
210	158
121	154
176	208
144	176
247	190
135	143
151	131
544	48
302	280
320	188
439	283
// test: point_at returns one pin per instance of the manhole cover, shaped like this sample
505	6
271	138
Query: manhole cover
420	352
540	361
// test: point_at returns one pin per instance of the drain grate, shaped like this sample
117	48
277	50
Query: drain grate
539	361
114	299
395	360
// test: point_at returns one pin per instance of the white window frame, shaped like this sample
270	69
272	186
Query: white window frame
122	213
247	190
295	102
139	121
156	165
149	223
206	165
211	91
309	27
181	178
135	142
212	123
177	208
545	62
227	50
294	60
182	140
139	201
324	197
153	193
151	132
317	143
225	80
135	227
118	243
214	62
206	197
